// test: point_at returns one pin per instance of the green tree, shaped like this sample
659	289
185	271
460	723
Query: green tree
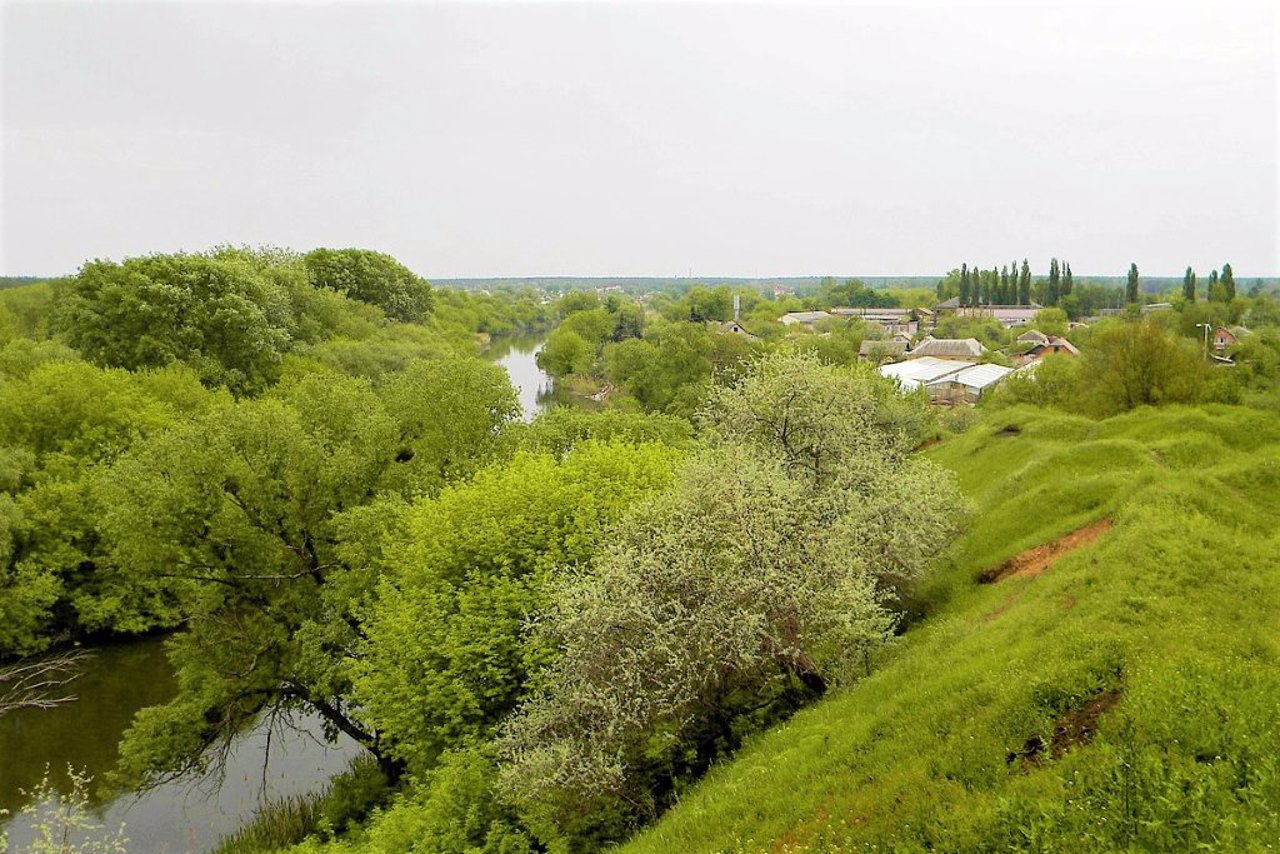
575	301
1139	363
1189	285
1228	283
1068	285
566	352
1054	293
1024	284
1133	285
449	416
220	315
235	514
448	650
1217	291
371	277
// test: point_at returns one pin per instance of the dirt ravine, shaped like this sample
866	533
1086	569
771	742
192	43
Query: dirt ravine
1036	560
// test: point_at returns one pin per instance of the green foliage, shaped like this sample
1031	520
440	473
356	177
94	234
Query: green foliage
566	352
448	414
371	277
65	823
1139	364
560	429
1125	364
220	315
447	655
232	515
671	369
1050	321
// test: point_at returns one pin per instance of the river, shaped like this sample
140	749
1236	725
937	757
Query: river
119	679
190	815
535	387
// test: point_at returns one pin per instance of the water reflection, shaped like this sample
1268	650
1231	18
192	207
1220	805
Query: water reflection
518	354
185	815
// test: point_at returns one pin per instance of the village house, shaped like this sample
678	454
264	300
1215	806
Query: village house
803	318
1224	338
1042	345
948	348
1007	316
733	327
892	320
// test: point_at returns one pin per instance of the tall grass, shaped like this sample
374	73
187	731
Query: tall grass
283	822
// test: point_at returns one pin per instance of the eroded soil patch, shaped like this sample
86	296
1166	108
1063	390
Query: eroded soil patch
1076	727
1036	560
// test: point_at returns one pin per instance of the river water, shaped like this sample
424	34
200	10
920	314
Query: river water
518	354
190	815
184	816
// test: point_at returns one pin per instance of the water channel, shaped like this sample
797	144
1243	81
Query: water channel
188	815
519	354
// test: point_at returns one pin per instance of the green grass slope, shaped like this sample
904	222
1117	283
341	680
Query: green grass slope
1126	698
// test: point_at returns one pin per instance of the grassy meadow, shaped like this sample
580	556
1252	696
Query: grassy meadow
1127	697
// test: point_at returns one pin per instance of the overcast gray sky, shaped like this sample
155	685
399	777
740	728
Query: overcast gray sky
566	139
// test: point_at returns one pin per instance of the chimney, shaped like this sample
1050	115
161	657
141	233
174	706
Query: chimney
737	307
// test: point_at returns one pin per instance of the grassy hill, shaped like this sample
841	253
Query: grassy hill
1115	689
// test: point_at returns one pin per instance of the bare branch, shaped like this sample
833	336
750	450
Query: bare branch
40	682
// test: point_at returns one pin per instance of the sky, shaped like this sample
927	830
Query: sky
726	139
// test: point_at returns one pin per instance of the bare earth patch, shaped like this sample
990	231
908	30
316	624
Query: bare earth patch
1074	728
1036	560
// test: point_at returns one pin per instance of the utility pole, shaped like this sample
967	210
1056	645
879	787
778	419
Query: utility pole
1205	326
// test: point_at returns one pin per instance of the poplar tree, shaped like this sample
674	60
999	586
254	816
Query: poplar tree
1013	283
1024	284
1004	285
1189	285
964	284
1055	277
1067	284
1131	289
1228	282
1214	293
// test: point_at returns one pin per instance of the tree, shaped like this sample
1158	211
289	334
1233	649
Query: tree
1228	283
1067	284
220	315
758	580
1189	285
1024	284
371	277
966	288
566	352
1217	291
449	416
235	514
1132	287
1054	292
448	652
1139	363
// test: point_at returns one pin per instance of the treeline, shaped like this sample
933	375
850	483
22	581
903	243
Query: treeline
123	355
1014	285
